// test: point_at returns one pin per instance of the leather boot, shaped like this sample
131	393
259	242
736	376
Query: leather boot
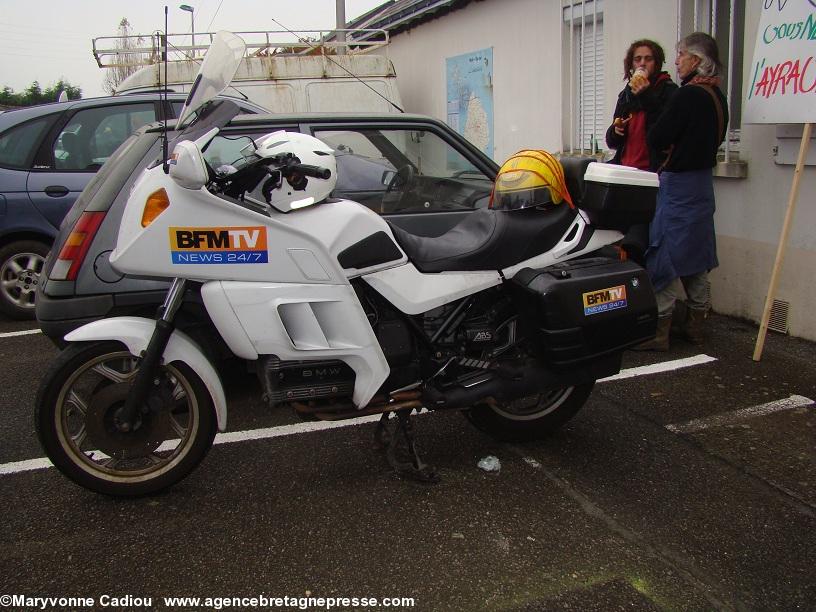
692	329
660	342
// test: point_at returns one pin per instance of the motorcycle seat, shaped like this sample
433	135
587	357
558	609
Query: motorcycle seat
487	239
574	170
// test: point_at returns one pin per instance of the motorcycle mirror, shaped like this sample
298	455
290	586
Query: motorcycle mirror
187	165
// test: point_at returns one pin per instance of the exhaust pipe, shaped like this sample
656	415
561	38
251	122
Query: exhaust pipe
513	382
507	383
381	404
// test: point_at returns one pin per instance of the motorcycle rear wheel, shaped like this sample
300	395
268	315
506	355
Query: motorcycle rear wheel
75	408
529	418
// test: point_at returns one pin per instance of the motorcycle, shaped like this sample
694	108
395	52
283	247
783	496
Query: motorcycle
510	318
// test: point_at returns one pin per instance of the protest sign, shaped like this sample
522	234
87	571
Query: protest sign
783	71
783	90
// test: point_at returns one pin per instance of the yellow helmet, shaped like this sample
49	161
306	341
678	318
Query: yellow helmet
529	178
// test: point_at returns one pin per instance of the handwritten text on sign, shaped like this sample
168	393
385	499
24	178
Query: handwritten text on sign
783	72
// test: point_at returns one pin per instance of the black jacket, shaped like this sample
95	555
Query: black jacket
653	100
689	125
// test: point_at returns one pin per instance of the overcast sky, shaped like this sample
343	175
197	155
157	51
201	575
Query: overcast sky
44	40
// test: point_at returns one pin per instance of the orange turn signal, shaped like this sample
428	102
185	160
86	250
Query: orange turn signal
156	203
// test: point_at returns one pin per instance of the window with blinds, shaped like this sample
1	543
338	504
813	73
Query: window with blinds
587	121
724	20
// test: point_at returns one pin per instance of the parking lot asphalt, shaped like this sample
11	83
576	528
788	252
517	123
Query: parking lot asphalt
692	487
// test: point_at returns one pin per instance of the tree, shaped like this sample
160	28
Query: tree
35	94
53	92
127	61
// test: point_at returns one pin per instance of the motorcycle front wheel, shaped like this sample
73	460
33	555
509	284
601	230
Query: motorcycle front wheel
532	417
75	419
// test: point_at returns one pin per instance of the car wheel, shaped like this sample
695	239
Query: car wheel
21	264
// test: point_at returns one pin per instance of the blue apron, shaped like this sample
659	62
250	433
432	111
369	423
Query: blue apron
681	237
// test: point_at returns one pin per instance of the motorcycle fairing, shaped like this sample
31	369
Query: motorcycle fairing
579	239
221	238
299	322
413	292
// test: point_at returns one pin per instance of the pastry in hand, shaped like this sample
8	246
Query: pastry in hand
620	122
639	79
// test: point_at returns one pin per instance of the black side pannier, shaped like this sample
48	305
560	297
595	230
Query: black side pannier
579	310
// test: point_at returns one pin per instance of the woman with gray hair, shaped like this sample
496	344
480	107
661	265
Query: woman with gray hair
682	247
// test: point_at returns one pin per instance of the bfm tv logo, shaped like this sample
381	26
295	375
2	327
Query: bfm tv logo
218	245
605	299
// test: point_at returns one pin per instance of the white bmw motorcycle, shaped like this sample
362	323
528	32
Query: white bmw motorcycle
339	313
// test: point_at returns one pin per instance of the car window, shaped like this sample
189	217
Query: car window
404	170
229	150
93	134
17	145
245	110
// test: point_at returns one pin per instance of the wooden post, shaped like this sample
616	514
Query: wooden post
783	239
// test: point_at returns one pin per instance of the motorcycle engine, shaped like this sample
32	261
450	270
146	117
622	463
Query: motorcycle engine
474	331
291	381
477	333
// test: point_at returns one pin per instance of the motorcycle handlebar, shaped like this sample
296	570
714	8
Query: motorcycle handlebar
308	170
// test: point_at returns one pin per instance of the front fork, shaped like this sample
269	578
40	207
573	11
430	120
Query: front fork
136	402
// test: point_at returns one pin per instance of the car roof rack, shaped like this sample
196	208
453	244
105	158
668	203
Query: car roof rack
147	49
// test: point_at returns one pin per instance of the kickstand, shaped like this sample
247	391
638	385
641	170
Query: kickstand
401	440
382	437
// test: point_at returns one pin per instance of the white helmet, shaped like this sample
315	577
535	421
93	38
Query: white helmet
297	189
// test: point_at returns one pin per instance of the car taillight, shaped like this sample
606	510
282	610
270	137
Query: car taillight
76	246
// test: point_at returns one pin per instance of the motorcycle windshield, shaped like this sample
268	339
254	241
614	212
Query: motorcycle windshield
216	114
219	66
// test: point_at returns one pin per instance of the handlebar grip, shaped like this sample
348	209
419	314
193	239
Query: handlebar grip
307	170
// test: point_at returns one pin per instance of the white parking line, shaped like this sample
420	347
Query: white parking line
297	428
289	430
663	366
735	416
24	332
16	467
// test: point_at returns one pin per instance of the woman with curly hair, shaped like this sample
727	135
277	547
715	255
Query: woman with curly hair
645	95
647	91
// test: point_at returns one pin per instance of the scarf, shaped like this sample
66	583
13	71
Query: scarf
714	81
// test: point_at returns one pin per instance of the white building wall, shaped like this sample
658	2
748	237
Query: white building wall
526	68
530	101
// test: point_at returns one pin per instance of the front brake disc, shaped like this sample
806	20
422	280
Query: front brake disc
149	431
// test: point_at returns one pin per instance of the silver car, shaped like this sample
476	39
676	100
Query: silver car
48	154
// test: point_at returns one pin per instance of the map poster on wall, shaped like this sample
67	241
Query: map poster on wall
783	72
470	97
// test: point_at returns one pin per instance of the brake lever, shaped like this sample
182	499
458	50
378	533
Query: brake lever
273	182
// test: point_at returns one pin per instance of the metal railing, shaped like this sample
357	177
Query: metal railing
144	50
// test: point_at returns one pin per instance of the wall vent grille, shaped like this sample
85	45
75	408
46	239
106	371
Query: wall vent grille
778	322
